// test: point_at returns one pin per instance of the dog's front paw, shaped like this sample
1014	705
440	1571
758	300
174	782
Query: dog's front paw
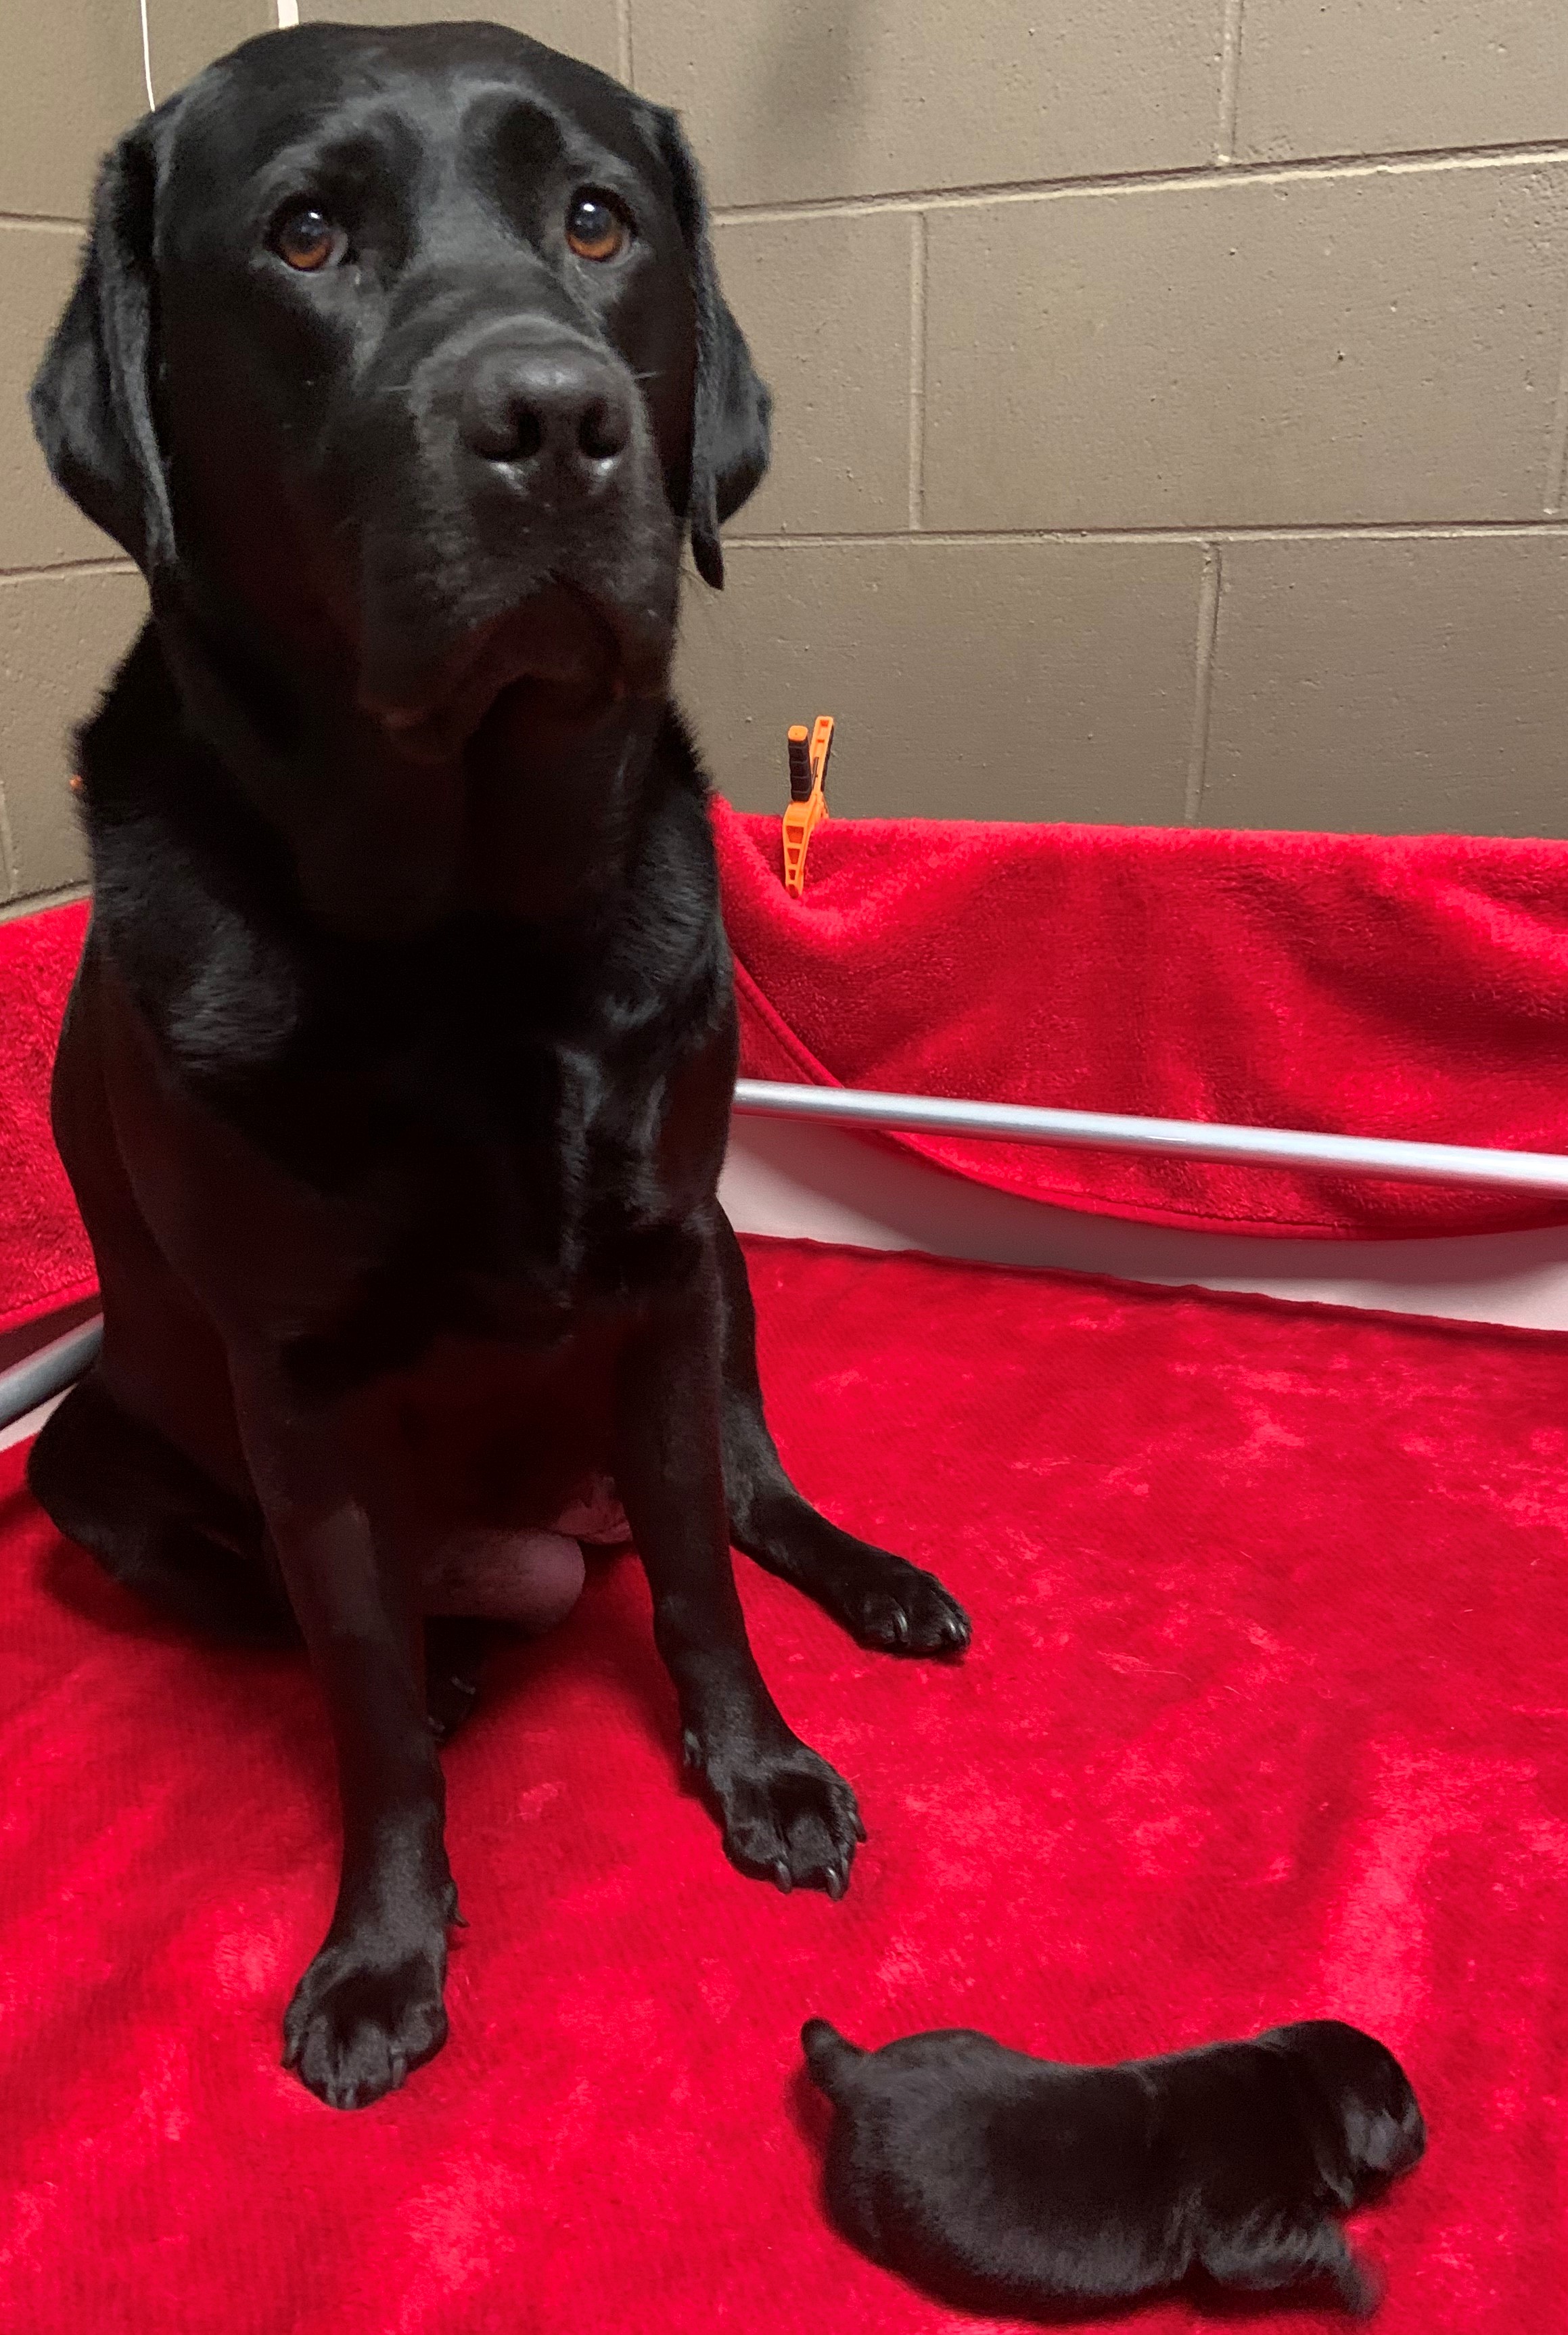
789	1817
898	1609
359	2022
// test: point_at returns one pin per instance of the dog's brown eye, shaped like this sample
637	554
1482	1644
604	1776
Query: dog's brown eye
307	239
594	229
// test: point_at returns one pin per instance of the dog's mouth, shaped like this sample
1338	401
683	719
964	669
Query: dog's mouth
546	669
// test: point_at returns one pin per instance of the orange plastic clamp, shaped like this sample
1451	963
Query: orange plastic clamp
808	804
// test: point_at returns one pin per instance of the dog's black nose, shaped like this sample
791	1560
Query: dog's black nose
568	406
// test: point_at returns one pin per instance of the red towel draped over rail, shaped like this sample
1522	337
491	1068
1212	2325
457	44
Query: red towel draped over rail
1406	985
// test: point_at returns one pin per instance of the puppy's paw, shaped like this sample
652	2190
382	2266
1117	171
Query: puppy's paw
358	2022
449	1700
455	1650
789	1817
898	1609
1360	2288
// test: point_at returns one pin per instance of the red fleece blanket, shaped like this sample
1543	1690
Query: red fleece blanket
44	1259
1404	986
1264	1718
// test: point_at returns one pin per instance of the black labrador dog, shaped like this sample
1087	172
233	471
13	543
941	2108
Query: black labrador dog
1008	2184
396	1078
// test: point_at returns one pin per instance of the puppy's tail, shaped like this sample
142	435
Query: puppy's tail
829	2056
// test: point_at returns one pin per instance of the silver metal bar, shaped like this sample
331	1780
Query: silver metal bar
1188	1138
48	1371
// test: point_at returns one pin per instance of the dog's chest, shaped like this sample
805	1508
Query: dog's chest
466	1141
499	1182
534	1164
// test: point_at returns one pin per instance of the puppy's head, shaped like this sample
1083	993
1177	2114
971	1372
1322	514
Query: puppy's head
398	364
1362	2113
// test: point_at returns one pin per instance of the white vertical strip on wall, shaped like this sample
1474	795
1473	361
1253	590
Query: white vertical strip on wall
287	15
147	59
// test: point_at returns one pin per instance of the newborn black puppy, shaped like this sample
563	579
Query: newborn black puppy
1006	2184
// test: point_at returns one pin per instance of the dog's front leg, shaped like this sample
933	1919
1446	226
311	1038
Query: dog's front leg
370	2006
787	1814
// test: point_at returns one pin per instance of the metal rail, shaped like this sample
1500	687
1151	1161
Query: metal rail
48	1372
1188	1138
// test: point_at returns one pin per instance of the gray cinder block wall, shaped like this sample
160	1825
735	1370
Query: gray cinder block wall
1173	398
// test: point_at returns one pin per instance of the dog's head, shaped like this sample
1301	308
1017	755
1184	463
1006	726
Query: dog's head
1366	2125
398	362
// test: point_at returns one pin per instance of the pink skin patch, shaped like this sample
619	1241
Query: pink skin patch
532	1578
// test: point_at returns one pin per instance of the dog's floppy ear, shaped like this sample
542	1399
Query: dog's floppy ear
1380	2142
91	401
1320	2110
730	405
